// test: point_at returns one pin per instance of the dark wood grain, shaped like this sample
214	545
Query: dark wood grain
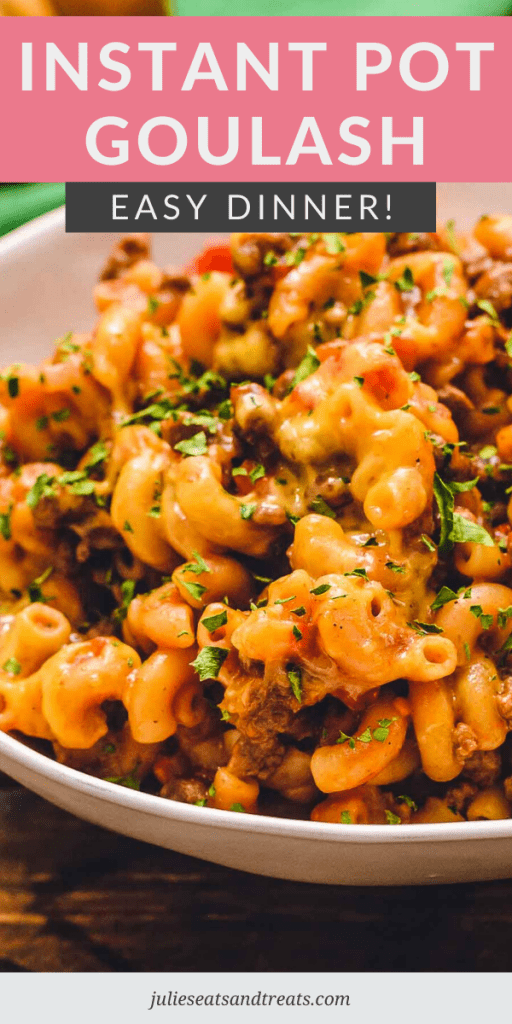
74	897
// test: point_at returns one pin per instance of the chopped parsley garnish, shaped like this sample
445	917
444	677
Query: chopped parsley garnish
225	409
357	307
434	293
361	573
450	234
465	531
392	819
42	422
504	614
408	801
424	627
455	528
247	511
34	589
66	347
127	592
198	566
367	279
299	611
333	243
359	381
213	622
445	595
487	307
343	738
156	412
297	633
77	481
381	733
209	662
96	455
507	646
295	680
306	367
345	818
254	474
87	363
196	590
12	666
129	781
321	507
395	567
239	808
296	257
488	452
365	737
405	283
61	415
42	488
5	523
13	385
460	487
448	268
486	621
257	472
9	455
202	419
321	589
153	305
195	445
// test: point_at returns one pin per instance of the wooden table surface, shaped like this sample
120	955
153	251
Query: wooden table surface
74	897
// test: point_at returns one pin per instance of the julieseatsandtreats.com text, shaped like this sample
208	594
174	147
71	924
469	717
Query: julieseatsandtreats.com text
172	999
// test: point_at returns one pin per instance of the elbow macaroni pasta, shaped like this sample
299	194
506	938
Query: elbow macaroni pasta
255	529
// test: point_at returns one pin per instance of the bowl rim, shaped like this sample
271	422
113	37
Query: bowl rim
188	814
13	751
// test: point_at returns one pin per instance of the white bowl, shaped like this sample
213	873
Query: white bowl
45	287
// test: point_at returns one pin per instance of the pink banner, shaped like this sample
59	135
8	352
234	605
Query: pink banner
250	99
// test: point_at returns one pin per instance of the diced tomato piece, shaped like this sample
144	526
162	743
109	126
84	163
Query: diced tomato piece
216	255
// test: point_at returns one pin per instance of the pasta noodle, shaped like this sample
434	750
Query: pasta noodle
255	529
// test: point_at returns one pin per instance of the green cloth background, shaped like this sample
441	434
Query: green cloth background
19	203
346	7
